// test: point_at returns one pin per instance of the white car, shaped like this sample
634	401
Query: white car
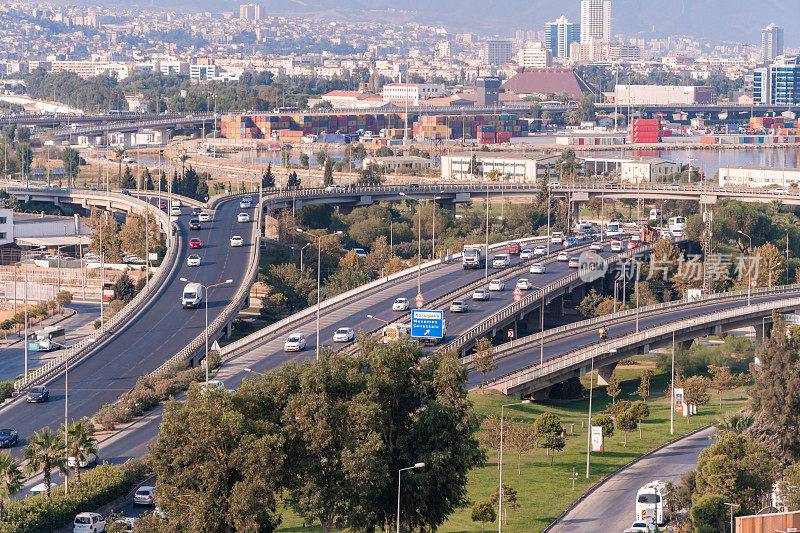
526	254
401	304
245	203
562	256
344	335
204	217
637	527
90	459
540	250
574	262
501	261
193	260
128	523
556	237
524	284
88	522
497	285
175	211
480	294
537	268
360	252
144	495
237	240
597	246
243	217
459	306
294	342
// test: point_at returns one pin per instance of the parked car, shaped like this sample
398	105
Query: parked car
360	252
204	217
243	217
459	306
237	240
562	256
38	394
193	260
8	438
144	495
401	304
537	268
480	294
294	342
526	254
497	285
501	261
195	243
88	523
344	335
637	527
574	262
524	284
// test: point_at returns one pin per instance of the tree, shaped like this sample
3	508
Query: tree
644	384
589	304
216	472
722	379
71	159
548	425
24	157
64	298
327	176
509	500
9	132
10	479
567	163
183	158
521	438
124	289
489	435
268	179
483	361
695	391
626	422
483	512
304	160
293	182
321	157
613	388
474	166
370	176
789	486
554	443
736	423
274	307
81	443
128	182
606	422
45	452
708	514
738	469
640	411
119	154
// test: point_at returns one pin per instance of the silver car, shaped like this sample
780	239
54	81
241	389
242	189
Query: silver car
480	294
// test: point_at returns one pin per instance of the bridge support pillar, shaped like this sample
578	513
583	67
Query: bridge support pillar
556	306
227	330
449	206
763	331
576	295
345	209
604	373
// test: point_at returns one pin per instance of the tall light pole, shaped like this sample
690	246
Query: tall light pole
486	263
301	254
419	241
433	232
417	465
500	494
672	390
749	274
205	289
319	272
589	435
731	505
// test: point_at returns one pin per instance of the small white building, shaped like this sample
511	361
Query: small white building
399	162
399	93
512	167
758	177
648	170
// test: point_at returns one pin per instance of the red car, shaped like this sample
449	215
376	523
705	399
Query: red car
632	245
512	248
162	204
195	243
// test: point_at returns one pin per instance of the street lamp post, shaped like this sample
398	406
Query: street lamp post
731	505
419	242
749	274
319	272
500	494
301	254
417	465
589	435
205	289
770	272
373	317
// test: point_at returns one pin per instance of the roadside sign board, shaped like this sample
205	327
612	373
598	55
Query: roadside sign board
427	324
677	402
597	438
419	300
511	334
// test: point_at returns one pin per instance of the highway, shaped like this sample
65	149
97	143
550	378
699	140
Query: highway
611	507
146	342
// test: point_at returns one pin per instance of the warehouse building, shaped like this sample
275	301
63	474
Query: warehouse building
758	177
636	95
649	170
507	166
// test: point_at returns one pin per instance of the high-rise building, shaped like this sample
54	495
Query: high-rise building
535	56
595	20
771	42
778	83
559	34
250	12
497	52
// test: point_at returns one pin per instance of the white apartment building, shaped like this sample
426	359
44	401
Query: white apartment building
758	177
512	167
413	93
535	57
202	72
771	42
648	170
595	20
166	67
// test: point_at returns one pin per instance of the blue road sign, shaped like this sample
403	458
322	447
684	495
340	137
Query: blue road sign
426	324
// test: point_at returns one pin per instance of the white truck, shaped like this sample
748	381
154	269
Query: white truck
192	295
395	331
473	256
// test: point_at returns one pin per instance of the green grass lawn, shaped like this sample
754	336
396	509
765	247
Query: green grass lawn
545	491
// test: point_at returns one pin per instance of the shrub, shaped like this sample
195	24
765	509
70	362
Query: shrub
618	407
6	390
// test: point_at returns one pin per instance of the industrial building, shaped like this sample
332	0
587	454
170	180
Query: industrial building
399	163
636	95
512	167
743	176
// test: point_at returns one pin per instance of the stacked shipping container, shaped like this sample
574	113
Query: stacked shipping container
645	131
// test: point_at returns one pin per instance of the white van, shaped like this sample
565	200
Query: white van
613	229
676	224
192	295
556	237
655	214
176	203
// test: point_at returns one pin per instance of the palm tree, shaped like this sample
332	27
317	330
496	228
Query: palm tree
183	158
44	452
119	152
10	479
736	423
81	443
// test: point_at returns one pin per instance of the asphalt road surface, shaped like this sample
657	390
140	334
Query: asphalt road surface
612	507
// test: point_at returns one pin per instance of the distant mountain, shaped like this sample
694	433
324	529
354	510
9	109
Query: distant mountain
732	20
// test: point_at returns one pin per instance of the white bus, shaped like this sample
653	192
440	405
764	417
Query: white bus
650	501
48	339
613	229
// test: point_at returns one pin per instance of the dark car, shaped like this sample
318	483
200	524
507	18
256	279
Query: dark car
126	193
37	395
412	187
194	224
196	211
8	438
